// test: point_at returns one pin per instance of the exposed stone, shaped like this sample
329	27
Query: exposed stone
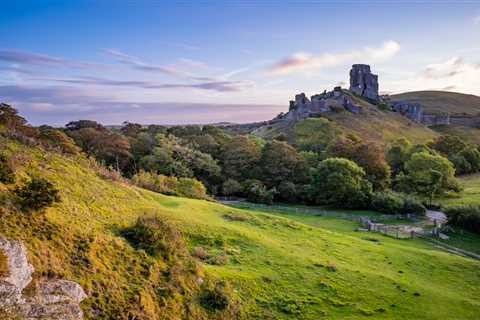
363	82
49	299
19	272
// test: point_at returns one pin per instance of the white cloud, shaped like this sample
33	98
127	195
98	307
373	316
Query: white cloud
453	74
303	61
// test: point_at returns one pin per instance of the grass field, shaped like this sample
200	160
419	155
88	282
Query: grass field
469	195
281	265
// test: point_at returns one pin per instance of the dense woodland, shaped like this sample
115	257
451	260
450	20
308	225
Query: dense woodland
207	161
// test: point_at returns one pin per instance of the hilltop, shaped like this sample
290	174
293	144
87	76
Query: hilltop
443	101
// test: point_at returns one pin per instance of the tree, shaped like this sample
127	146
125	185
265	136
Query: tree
281	162
397	154
369	156
240	158
448	145
428	175
56	139
231	187
10	119
341	183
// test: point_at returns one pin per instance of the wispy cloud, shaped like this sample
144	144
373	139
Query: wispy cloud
29	58
138	64
219	86
303	61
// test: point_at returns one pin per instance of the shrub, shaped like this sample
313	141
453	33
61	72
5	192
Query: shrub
191	188
390	202
7	174
183	187
217	298
465	216
156	236
37	194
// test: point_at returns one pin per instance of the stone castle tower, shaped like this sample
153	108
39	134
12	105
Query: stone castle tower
363	82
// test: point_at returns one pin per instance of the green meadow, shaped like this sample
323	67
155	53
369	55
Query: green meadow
280	264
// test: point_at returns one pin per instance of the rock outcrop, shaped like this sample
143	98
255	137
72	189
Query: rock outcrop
48	299
363	82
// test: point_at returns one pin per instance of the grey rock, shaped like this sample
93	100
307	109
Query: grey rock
50	299
363	82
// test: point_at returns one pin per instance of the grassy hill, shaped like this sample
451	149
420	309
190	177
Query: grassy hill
280	266
443	101
371	124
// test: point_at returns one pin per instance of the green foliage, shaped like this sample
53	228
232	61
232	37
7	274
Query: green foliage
465	216
341	183
7	172
184	187
55	139
287	191
231	187
281	162
256	192
215	299
240	158
397	154
427	175
391	202
37	194
466	158
157	236
191	188
369	156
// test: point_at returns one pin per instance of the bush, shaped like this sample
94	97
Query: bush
37	194
390	202
217	298
7	174
287	191
465	216
156	236
191	188
231	187
183	187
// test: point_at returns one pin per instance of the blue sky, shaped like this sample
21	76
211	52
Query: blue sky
198	62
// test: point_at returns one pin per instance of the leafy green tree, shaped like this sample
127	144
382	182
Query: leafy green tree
428	175
341	183
397	154
231	187
281	162
240	158
448	145
367	155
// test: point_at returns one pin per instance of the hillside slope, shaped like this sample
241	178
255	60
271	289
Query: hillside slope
280	268
443	101
371	124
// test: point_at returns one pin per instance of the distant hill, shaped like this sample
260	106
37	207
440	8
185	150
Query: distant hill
443	101
371	124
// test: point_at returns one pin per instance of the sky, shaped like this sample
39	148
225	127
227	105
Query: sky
185	62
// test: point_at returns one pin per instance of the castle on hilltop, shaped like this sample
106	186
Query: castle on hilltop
364	84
